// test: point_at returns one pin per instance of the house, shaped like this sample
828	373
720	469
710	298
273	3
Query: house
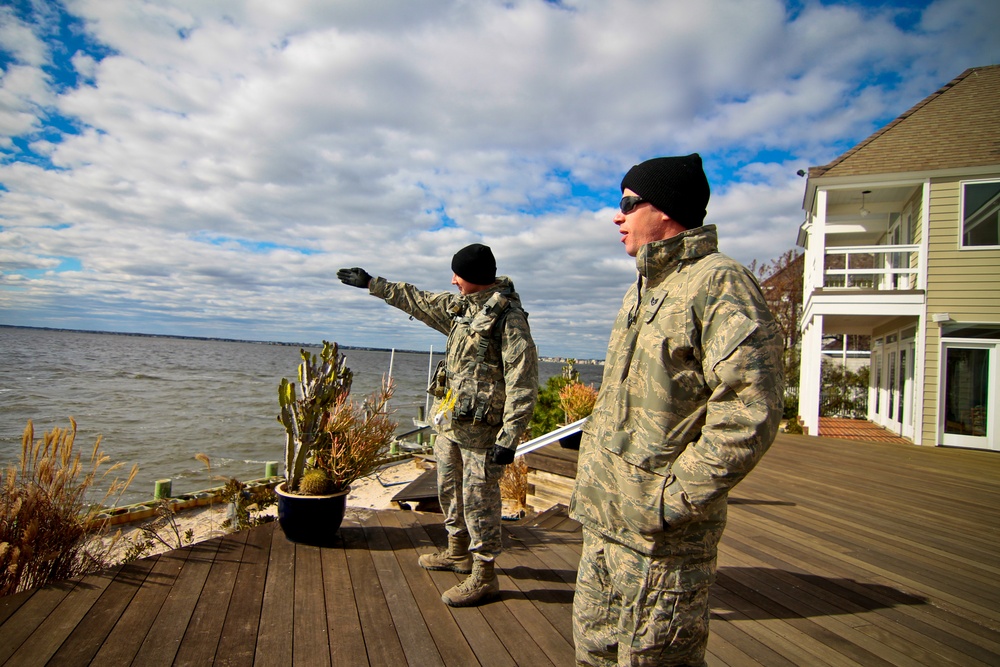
902	244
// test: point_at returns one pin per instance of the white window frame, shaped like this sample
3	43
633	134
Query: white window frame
987	442
961	215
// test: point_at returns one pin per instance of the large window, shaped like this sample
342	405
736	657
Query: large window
981	214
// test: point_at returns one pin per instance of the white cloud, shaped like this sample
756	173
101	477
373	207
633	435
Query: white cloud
20	41
234	154
23	83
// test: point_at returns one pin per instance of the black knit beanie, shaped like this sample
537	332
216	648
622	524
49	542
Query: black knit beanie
675	185
475	263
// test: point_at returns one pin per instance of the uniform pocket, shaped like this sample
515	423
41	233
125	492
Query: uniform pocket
464	390
475	400
439	381
639	497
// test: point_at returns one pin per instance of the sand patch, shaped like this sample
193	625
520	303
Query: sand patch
372	492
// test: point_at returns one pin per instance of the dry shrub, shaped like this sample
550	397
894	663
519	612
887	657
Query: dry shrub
359	437
577	400
514	483
44	514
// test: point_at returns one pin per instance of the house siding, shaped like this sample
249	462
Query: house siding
951	273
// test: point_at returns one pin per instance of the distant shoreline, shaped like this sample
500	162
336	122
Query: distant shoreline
599	362
208	338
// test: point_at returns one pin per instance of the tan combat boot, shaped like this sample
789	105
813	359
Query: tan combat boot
479	586
455	558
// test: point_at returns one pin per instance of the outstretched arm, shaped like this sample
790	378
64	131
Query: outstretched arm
431	308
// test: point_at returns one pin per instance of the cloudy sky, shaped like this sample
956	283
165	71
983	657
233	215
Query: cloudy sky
203	167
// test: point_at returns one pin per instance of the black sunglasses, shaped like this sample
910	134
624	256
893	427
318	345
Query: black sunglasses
629	202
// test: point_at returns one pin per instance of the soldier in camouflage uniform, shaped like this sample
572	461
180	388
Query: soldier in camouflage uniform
691	399
485	392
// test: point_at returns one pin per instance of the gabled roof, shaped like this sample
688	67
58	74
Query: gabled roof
957	126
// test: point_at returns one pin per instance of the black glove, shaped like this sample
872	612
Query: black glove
502	455
356	277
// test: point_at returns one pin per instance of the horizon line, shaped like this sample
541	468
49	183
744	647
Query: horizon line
554	359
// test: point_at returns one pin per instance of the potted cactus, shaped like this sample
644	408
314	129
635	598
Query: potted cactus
330	441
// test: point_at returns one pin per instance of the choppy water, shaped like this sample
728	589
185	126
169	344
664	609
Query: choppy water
160	401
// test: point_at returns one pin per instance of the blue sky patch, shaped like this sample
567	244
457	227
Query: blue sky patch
66	264
255	247
445	221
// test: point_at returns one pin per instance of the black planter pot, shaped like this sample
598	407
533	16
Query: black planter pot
311	520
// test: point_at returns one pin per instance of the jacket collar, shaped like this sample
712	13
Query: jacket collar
657	258
503	285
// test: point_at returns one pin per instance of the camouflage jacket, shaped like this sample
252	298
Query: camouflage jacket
485	388
691	399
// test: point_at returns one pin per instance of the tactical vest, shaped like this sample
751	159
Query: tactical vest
469	381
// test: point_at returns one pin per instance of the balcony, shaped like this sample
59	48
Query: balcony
858	287
878	267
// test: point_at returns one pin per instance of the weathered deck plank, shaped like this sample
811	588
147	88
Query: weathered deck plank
130	631
161	644
205	628
414	637
42	644
442	626
342	618
380	633
275	632
838	553
90	634
310	636
31	613
238	638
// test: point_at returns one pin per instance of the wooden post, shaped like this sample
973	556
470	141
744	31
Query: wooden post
162	489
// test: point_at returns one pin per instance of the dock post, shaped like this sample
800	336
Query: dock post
162	489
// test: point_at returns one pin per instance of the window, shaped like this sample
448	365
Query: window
981	214
966	391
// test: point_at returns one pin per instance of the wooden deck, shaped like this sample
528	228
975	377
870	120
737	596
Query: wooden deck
837	553
858	429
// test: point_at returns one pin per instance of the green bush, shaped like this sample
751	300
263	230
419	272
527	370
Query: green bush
548	414
844	392
791	407
549	408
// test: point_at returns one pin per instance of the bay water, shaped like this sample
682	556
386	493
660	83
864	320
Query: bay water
160	401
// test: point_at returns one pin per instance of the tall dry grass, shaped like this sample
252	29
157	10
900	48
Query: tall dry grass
514	483
44	512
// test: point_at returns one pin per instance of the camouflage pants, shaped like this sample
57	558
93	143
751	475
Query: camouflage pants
469	492
631	609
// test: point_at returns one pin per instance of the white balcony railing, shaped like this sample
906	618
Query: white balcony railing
881	267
